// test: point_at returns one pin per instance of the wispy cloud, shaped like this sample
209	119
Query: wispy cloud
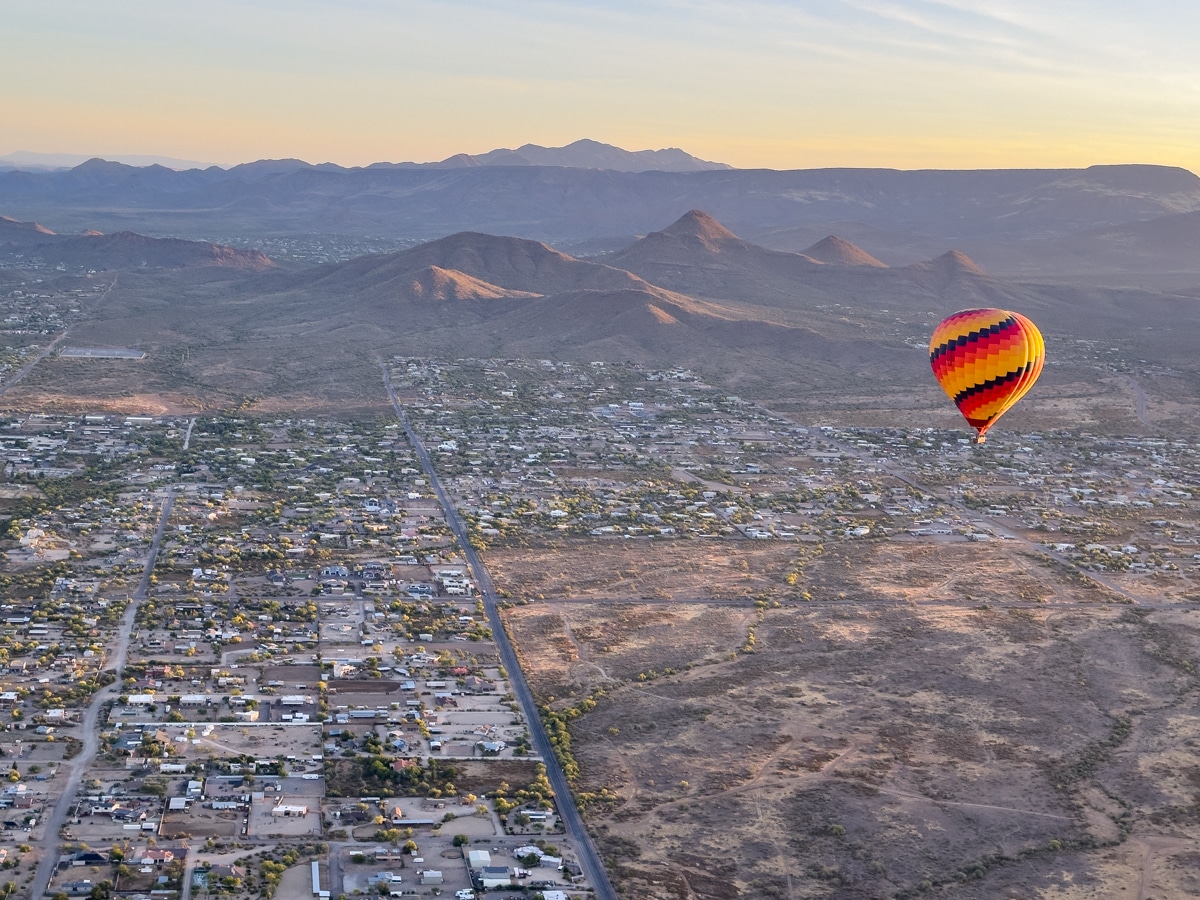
424	78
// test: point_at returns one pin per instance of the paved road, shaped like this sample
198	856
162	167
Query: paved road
189	863
589	859
90	726
336	848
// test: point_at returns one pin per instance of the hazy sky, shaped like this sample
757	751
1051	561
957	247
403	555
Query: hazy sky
958	83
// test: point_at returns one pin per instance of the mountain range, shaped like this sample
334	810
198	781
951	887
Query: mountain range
832	331
1085	222
44	162
584	154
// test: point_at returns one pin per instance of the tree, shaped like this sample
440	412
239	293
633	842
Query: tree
460	839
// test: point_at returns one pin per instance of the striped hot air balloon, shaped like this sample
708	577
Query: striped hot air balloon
986	360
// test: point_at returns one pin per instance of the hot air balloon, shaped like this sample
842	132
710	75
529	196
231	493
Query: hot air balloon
986	360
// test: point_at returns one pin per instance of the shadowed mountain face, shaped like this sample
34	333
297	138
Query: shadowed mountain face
947	270
126	249
697	255
436	283
14	232
511	263
123	250
837	252
1005	219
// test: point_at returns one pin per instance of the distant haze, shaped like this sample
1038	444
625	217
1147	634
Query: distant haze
583	154
24	159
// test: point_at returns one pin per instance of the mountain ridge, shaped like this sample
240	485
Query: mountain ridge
10	227
1001	217
125	249
818	335
587	154
837	251
514	264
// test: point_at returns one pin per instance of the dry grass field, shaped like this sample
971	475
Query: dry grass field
953	720
866	570
608	568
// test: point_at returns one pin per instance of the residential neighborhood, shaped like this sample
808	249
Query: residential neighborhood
238	653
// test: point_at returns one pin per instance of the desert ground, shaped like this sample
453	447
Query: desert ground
957	720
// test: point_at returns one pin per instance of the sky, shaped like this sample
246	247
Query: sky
761	83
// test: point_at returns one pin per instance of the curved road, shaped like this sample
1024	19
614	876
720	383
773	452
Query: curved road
89	727
589	859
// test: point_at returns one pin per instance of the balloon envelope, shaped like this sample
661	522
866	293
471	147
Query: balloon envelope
986	360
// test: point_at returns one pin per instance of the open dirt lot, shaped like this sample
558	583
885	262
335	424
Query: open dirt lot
199	822
935	732
264	741
908	570
607	568
263	824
